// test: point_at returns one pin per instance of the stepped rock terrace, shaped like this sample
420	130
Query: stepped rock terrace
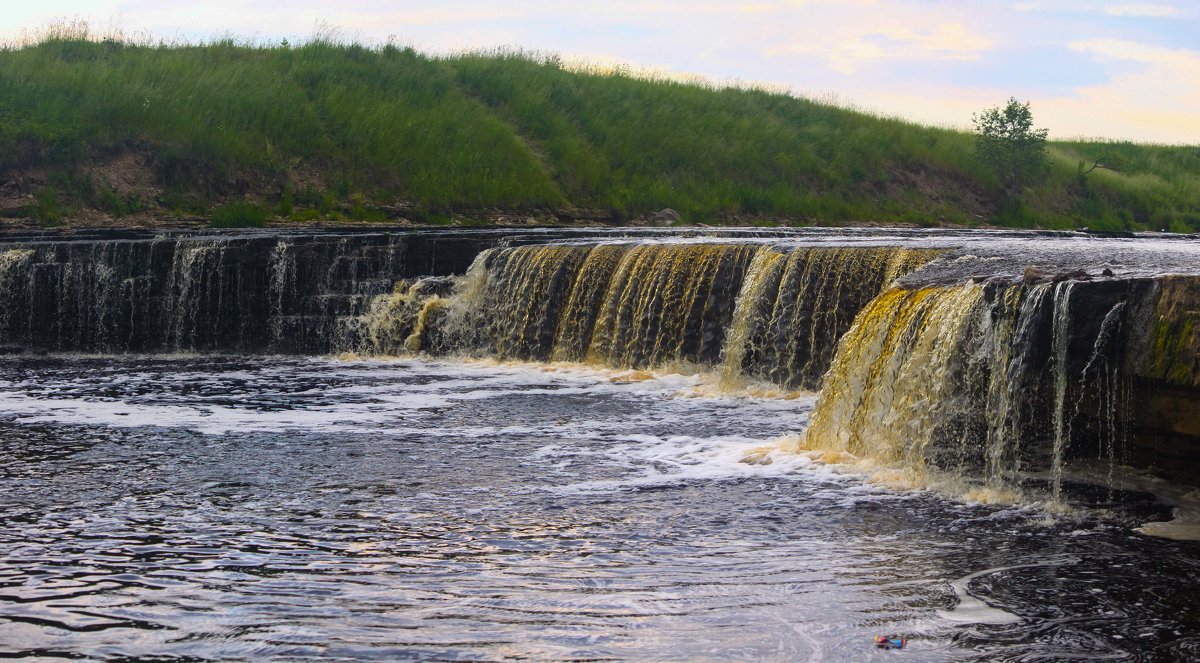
946	348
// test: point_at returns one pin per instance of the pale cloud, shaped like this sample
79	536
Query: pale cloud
850	35
1100	112
1118	49
1157	102
765	7
1161	96
1056	6
848	50
446	15
1142	9
1127	9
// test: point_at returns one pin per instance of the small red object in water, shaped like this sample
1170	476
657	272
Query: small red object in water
890	642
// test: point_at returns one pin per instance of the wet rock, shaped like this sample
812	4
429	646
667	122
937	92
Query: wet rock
1170	334
1073	275
1042	275
1037	275
1165	435
664	217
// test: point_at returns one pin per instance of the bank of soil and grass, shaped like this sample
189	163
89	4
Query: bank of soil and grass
104	131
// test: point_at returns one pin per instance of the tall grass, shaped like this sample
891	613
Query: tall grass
325	123
222	118
639	145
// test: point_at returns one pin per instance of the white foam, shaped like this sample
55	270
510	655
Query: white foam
1184	524
384	397
1185	500
207	419
667	461
973	610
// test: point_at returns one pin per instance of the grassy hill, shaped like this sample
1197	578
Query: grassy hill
237	133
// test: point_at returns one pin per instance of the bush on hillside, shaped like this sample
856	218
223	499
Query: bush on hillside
238	215
1010	146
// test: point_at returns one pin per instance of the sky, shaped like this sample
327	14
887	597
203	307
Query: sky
1118	69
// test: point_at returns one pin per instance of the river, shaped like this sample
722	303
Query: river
200	507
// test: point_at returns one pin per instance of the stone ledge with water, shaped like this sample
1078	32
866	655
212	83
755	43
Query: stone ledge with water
536	441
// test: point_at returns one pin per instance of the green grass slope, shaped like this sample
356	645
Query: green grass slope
239	133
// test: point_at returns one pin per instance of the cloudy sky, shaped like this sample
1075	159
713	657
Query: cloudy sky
1117	69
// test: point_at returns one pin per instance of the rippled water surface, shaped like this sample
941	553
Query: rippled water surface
199	508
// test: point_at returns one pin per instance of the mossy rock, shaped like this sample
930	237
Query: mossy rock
1175	356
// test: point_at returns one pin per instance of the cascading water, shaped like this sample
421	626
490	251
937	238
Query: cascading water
796	304
763	312
893	386
961	367
282	285
216	293
13	264
982	385
195	284
1062	423
985	381
400	322
668	304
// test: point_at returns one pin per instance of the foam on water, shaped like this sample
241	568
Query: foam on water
972	610
395	397
665	461
289	509
379	406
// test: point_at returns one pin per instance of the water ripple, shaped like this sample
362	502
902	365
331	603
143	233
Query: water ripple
329	518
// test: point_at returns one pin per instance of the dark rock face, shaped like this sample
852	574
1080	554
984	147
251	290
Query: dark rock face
1116	361
1128	354
123	291
1164	371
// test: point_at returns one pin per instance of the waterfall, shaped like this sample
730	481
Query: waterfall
953	364
797	304
669	304
194	293
282	285
526	294
1007	369
894	385
762	271
1062	422
208	293
759	312
985	381
574	335
13	272
399	322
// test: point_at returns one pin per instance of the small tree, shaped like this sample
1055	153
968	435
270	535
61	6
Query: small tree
1010	146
